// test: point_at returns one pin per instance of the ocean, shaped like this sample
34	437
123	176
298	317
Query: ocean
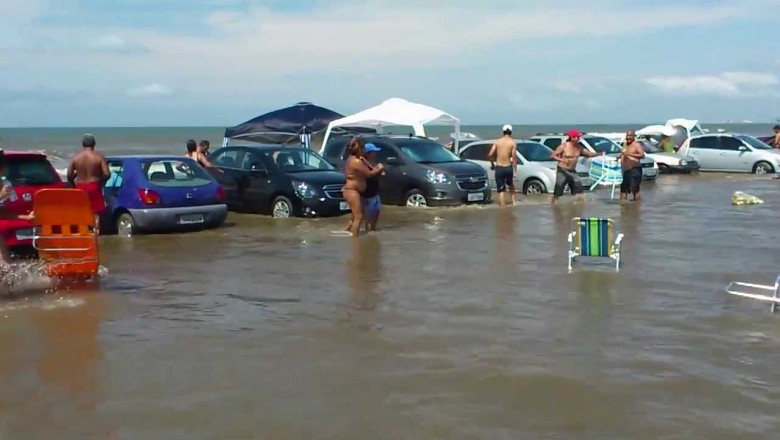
61	143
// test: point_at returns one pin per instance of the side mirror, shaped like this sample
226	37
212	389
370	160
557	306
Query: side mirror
743	148
392	161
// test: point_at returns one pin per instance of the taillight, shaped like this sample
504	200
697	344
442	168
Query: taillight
220	194
148	197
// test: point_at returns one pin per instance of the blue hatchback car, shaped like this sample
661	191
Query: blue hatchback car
160	194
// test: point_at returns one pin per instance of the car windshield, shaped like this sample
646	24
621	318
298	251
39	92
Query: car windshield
603	145
175	173
534	151
31	171
298	160
649	146
753	142
425	151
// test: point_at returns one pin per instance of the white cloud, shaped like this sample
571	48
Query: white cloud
567	86
153	89
729	84
117	44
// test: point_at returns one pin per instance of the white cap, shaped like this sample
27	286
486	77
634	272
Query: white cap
507	127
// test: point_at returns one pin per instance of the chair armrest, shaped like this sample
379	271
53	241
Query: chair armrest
618	239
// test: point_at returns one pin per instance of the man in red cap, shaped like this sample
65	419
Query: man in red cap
567	154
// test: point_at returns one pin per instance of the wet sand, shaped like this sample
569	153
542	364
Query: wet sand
447	323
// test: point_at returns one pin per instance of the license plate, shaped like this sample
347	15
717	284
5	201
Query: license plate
25	234
344	206
473	197
187	219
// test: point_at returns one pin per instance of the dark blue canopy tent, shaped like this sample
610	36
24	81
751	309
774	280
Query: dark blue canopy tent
290	124
293	124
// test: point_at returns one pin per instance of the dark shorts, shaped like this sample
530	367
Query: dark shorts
566	177
632	178
505	176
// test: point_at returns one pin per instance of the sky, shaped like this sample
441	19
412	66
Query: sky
221	62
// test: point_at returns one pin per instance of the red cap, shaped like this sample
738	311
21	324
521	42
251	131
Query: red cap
574	134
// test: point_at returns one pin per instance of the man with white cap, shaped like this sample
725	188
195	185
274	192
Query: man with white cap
503	159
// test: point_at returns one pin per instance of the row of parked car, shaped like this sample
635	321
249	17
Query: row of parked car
156	193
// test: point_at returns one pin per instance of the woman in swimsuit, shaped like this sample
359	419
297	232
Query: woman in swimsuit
357	172
196	154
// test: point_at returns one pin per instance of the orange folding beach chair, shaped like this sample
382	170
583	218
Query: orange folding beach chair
66	236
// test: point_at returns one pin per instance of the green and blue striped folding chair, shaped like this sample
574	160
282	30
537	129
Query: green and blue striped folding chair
594	237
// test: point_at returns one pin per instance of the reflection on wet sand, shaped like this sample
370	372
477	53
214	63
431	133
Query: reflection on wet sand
505	247
68	356
364	272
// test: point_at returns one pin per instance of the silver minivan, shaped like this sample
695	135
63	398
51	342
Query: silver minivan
732	152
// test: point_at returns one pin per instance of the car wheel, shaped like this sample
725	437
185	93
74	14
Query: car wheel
125	225
663	168
282	207
534	187
416	199
763	168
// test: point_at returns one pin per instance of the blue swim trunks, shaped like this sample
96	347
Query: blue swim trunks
372	206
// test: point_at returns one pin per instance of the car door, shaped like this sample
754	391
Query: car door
396	179
229	161
705	150
731	158
254	182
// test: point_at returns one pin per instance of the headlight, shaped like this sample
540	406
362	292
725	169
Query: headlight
436	177
303	189
683	162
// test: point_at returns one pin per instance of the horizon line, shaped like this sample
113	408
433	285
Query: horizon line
22	127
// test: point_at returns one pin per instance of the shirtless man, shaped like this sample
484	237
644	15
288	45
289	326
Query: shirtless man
503	159
88	171
567	155
632	168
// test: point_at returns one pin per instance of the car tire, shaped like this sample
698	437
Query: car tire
282	207
763	167
125	225
534	187
415	199
663	168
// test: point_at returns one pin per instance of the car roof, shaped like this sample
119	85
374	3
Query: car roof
11	153
717	134
148	156
269	147
392	136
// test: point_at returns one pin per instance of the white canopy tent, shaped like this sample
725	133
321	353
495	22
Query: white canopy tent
396	112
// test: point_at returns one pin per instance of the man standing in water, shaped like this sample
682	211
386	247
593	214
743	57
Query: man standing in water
88	171
632	168
504	154
567	154
372	205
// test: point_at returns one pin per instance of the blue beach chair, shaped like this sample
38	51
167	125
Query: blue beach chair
738	289
594	237
605	171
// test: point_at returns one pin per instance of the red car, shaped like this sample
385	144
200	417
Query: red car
28	172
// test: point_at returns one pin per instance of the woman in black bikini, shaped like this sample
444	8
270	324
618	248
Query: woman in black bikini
357	172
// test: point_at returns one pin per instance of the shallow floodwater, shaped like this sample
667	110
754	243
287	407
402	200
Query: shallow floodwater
448	323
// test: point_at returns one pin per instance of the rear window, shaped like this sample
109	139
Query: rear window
31	171
175	173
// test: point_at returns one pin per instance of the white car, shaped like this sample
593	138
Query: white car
535	170
732	152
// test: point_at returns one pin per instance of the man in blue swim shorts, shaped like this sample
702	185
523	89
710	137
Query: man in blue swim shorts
372	205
